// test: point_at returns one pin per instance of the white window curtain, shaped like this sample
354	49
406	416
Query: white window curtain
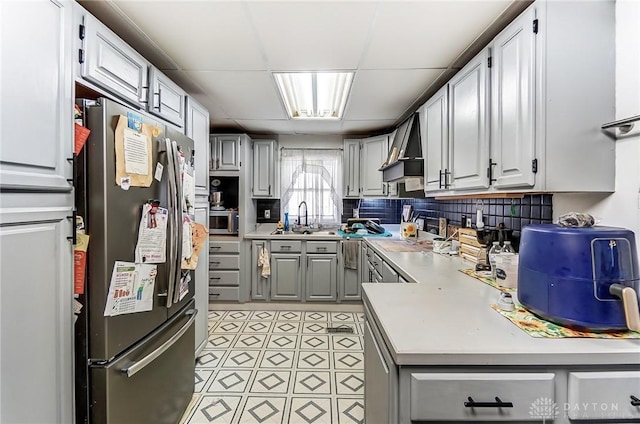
315	177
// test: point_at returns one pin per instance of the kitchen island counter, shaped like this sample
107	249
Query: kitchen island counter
446	319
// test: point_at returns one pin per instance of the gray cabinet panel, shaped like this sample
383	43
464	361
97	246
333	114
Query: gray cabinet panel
166	99
264	184
374	152
606	390
469	128
435	139
389	275
513	103
226	152
197	128
36	360
351	157
351	288
286	277
113	65
36	102
201	276
259	284
378	381
321	277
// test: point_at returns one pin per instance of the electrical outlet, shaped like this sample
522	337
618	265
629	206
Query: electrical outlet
267	213
468	222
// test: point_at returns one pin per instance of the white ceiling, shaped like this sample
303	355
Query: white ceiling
224	52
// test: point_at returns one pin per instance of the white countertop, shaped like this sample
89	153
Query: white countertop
446	319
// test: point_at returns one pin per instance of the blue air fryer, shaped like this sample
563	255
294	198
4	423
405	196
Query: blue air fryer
580	277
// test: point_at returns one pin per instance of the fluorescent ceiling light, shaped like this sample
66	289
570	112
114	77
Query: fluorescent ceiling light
314	95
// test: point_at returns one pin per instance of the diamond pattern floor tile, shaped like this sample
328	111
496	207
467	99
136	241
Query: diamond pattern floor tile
280	367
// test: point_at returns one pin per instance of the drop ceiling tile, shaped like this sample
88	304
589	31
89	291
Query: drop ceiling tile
244	95
427	34
200	35
316	127
312	35
387	94
367	126
265	126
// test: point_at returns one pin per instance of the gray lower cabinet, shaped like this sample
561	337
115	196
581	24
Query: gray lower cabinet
224	270
286	276
380	385
36	361
259	284
201	294
351	282
321	277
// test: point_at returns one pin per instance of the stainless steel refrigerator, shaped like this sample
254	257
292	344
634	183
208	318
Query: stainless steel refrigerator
134	368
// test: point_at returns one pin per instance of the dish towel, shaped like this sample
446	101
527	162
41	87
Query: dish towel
351	249
263	262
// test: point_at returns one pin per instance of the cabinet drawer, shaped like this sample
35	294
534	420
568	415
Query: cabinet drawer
224	262
224	293
223	246
224	278
322	247
442	396
377	262
285	246
603	395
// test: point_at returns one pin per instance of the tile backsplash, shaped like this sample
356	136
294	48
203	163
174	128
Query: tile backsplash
514	213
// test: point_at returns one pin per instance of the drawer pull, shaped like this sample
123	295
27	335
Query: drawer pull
285	247
635	401
214	294
214	278
216	262
497	404
322	249
215	247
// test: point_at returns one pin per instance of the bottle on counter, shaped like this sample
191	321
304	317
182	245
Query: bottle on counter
507	266
494	251
286	221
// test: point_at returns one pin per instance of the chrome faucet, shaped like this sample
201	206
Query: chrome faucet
306	215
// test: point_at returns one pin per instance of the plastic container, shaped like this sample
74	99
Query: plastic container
493	253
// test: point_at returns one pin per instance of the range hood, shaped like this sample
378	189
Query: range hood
405	155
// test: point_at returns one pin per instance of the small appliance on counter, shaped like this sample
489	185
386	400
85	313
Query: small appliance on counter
580	277
224	222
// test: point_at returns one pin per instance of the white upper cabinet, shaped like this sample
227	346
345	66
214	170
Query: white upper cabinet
166	99
351	165
264	169
374	152
513	105
37	105
112	64
197	128
469	125
434	124
225	152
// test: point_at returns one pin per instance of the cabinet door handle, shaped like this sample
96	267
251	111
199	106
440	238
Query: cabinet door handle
497	404
159	106
635	401
446	178
440	178
269	189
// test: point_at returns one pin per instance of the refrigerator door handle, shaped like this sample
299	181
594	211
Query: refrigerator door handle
139	365
172	211
179	220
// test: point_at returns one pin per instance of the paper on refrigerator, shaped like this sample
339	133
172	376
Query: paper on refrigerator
151	247
131	288
136	152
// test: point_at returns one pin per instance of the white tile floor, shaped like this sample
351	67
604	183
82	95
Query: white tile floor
280	367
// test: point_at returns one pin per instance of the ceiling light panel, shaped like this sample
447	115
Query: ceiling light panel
314	95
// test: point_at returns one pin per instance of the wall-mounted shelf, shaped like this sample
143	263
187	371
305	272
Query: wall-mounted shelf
624	125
